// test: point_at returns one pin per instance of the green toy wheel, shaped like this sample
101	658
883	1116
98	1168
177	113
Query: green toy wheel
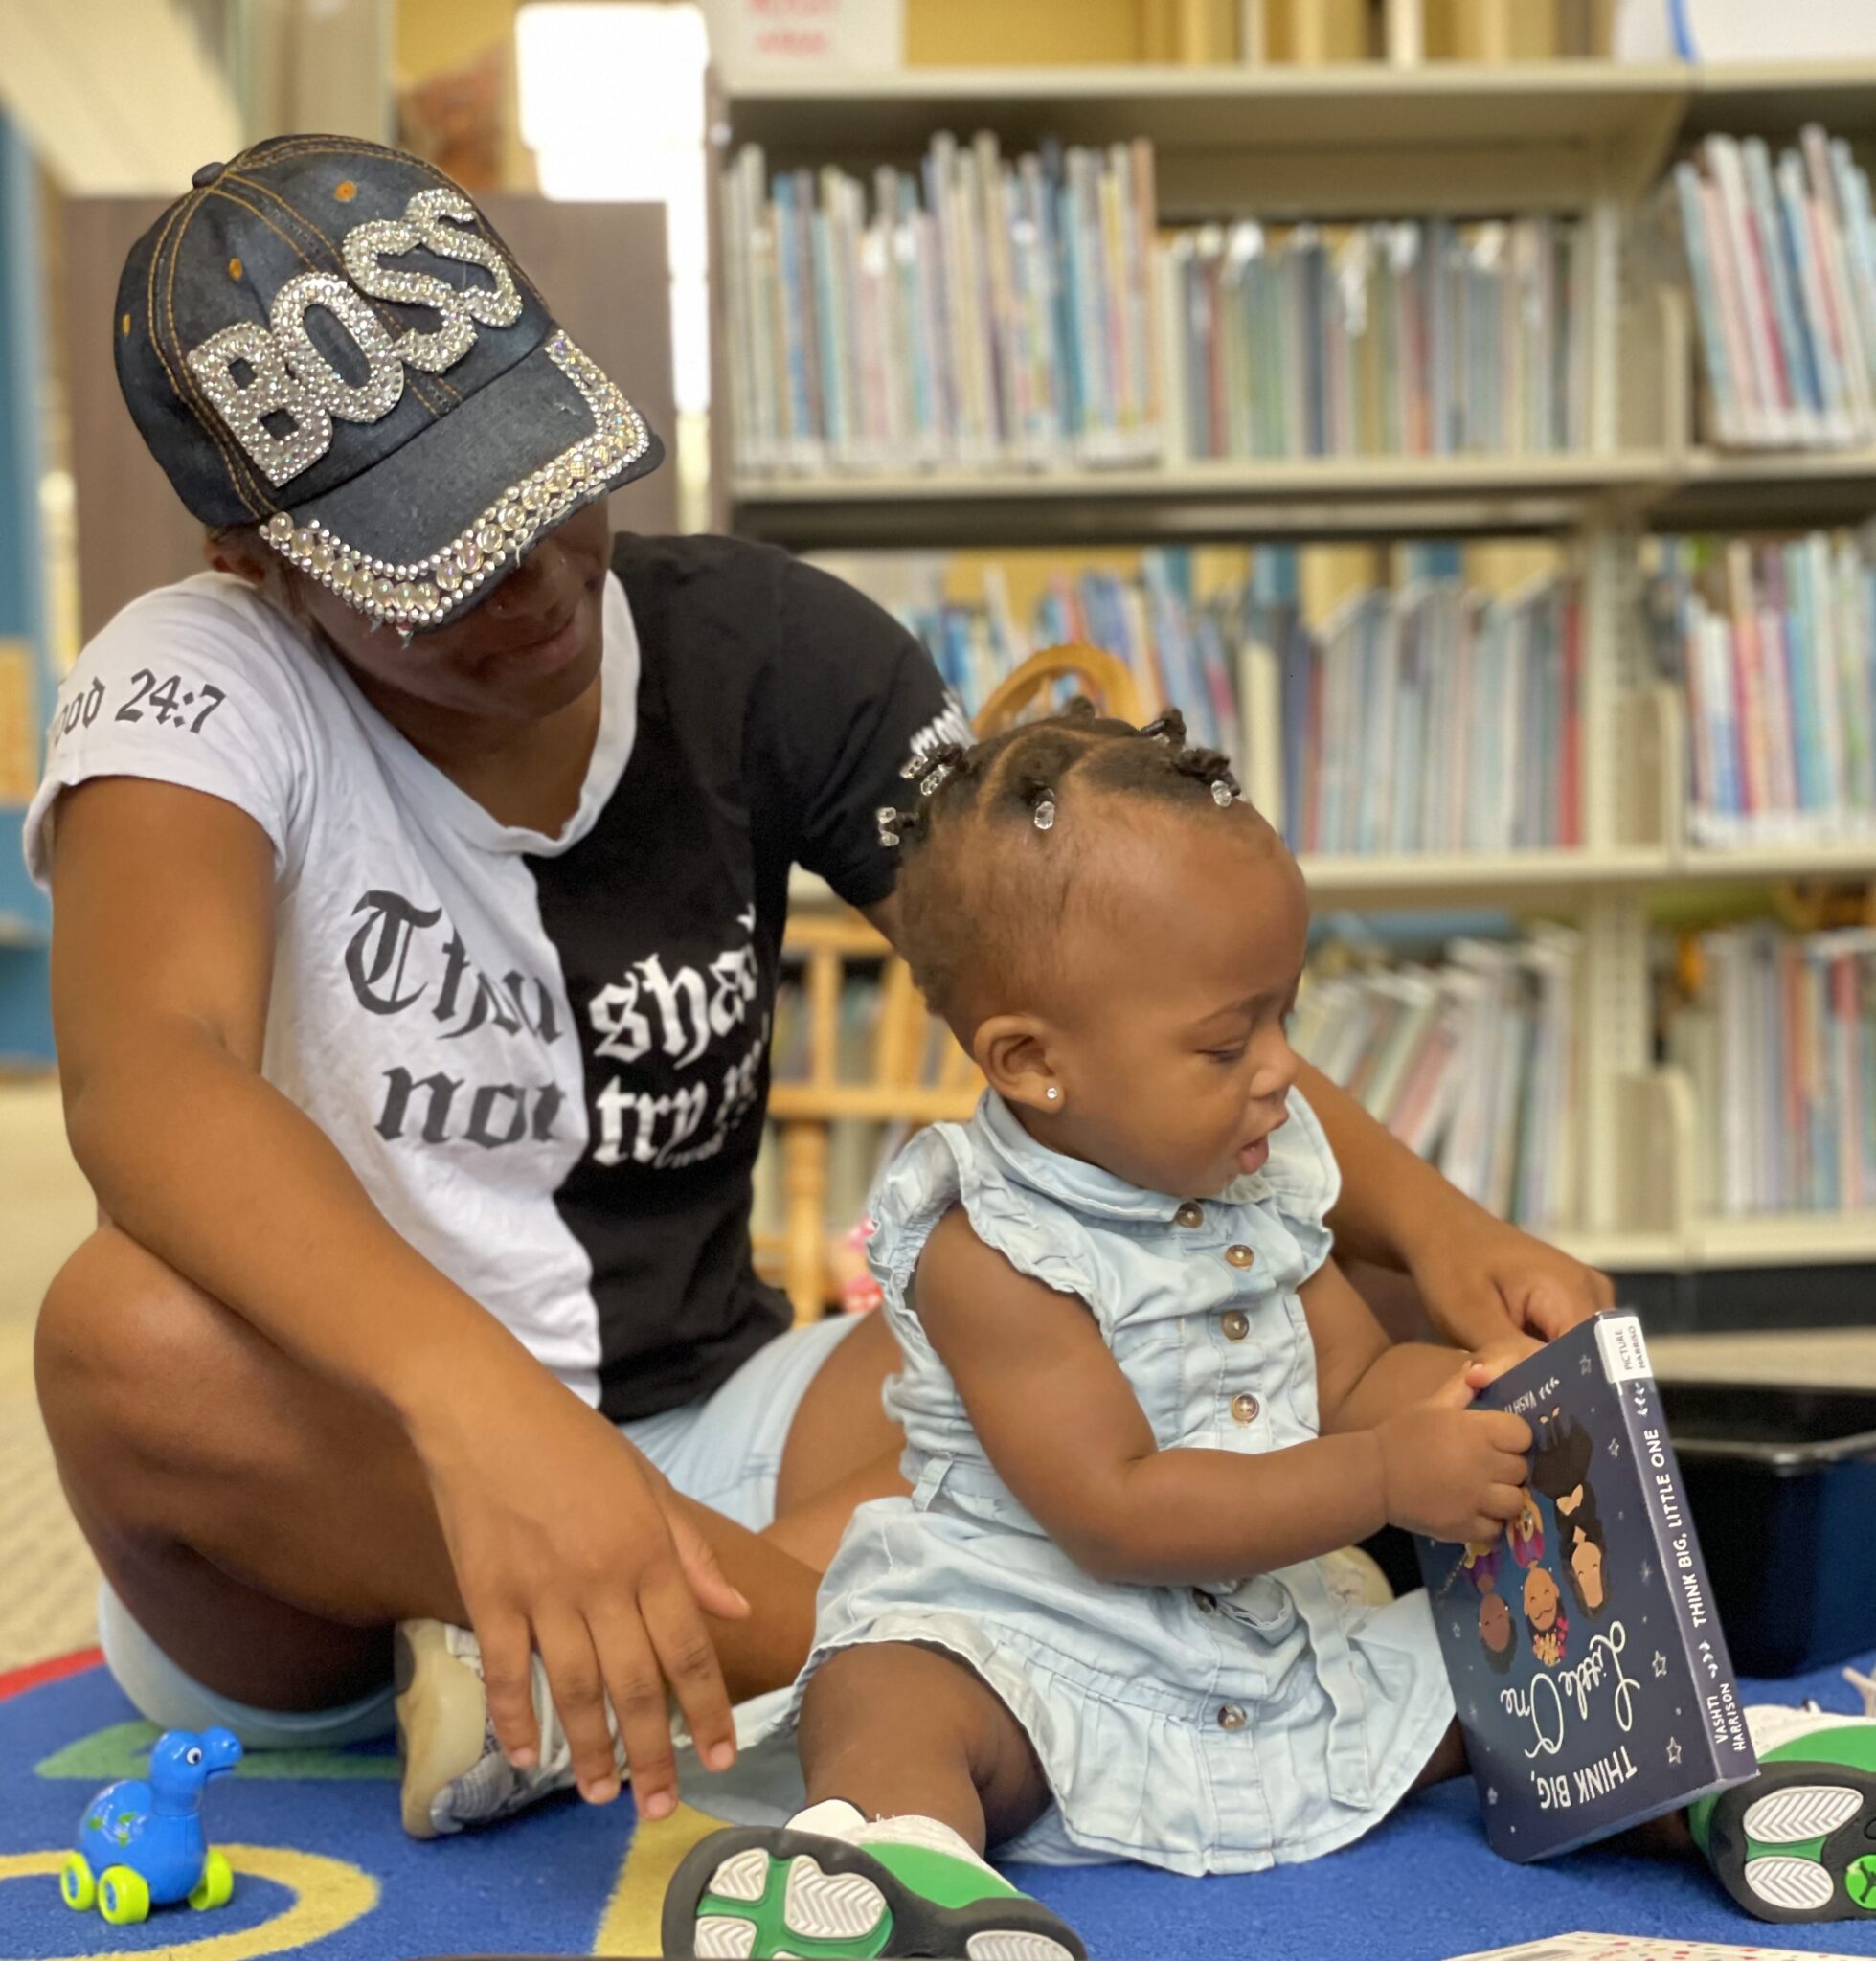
123	1896
75	1885
217	1885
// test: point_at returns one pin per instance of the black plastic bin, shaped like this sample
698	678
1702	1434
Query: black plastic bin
1781	1484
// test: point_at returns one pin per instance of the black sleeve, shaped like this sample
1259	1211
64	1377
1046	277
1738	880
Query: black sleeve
849	696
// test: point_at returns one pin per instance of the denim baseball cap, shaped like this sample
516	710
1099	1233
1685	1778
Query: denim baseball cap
327	339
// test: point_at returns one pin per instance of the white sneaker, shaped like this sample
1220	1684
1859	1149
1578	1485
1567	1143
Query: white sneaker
455	1773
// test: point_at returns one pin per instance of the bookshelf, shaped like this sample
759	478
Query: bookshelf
26	678
1460	140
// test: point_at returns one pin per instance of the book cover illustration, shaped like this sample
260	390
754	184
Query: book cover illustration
1590	1672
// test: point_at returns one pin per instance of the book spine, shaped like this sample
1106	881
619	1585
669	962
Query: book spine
1775	637
1801	224
1819	587
1768	230
1747	414
1719	1745
1754	787
1835	278
1753	285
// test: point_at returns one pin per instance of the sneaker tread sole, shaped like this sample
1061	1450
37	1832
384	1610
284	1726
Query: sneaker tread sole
838	1903
1828	1808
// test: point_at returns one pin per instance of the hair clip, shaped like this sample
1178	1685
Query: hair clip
887	819
1044	814
1223	795
929	781
1169	727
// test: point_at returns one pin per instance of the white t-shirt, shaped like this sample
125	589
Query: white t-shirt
545	1058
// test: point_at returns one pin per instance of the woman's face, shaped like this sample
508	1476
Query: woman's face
526	651
1495	1623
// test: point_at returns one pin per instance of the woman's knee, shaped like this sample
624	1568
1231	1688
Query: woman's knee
127	1353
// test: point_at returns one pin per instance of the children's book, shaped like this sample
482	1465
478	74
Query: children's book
1638	1948
1587	1661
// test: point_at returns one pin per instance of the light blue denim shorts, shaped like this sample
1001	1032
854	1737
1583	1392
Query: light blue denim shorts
724	1450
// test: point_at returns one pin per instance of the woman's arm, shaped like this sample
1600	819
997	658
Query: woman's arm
161	955
1480	1277
1064	1429
1362	1378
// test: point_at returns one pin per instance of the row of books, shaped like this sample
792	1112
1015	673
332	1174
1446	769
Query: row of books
989	313
1782	257
1427	716
1181	648
1430	718
982	311
1402	339
1773	645
1469	1058
1778	1032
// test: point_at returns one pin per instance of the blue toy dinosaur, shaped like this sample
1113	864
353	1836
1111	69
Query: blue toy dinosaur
142	1843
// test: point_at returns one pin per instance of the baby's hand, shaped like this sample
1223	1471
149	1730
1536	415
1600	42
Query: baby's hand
1488	1364
1452	1472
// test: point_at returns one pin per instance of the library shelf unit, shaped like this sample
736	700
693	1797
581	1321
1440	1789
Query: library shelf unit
1461	140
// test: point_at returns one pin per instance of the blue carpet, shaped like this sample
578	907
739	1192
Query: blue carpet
323	1869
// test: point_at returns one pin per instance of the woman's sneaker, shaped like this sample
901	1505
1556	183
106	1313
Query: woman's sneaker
833	1885
1798	1842
455	1775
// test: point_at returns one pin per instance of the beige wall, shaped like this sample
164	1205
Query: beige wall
434	35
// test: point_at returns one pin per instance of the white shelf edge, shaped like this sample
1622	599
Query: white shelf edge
1123	82
1833	858
1343	878
1785	1239
1458	873
1651	473
1628	1252
1317	476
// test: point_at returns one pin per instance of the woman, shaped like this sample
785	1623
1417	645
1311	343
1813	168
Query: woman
419	886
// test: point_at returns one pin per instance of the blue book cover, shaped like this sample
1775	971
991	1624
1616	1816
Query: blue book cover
1590	1675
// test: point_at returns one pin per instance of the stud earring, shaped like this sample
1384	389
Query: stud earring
1052	1093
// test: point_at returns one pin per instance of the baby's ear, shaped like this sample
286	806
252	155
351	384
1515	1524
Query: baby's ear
1015	1053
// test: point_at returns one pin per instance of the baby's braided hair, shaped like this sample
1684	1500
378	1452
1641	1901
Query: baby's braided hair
987	872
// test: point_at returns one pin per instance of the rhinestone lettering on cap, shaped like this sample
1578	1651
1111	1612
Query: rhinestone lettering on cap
419	595
291	376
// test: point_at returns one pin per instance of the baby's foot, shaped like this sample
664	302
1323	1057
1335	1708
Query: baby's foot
1798	1842
850	1887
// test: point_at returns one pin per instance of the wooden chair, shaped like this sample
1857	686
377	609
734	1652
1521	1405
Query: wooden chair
805	1258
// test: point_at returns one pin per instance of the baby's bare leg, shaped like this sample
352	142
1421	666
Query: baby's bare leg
899	1730
1448	1759
1667	1836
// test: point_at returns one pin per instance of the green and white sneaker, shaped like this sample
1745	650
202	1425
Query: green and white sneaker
1798	1842
831	1886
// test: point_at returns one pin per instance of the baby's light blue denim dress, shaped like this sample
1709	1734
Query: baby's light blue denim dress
1222	1727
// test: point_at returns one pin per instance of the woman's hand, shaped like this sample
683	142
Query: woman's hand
1487	1364
1482	1280
566	1541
